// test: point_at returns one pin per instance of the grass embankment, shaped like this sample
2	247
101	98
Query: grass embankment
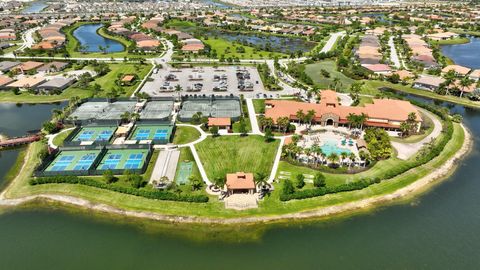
270	206
58	140
453	41
259	105
371	87
185	135
428	127
107	83
230	154
314	72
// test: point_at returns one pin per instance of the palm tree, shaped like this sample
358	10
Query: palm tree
300	116
352	157
465	82
310	116
449	77
344	156
178	89
336	82
261	179
333	157
362	118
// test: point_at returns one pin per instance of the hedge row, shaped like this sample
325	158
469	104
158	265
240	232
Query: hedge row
149	194
393	172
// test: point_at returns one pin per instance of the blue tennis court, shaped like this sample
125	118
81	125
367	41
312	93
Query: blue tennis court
155	132
73	161
123	159
94	133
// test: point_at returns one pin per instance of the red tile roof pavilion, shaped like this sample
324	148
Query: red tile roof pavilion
386	113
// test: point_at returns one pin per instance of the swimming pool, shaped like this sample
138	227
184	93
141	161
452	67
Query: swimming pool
331	146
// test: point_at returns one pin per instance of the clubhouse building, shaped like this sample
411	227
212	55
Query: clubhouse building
383	113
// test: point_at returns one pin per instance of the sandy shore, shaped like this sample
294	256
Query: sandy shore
417	187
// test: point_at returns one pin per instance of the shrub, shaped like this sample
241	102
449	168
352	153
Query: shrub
319	180
300	183
149	194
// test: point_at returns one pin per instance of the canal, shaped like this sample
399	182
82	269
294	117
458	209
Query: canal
438	230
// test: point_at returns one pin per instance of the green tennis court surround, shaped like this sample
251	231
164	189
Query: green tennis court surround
73	161
90	133
125	159
160	134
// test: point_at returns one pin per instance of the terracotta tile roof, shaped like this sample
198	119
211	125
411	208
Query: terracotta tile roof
128	78
240	180
457	68
219	121
29	65
193	47
149	43
384	109
27	82
4	80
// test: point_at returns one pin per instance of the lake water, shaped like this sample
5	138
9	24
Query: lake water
216	4
464	54
438	230
16	120
278	44
35	7
87	36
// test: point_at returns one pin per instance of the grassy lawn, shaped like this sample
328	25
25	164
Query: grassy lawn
259	105
236	125
58	140
453	41
227	49
365	100
314	72
185	135
371	87
229	154
107	82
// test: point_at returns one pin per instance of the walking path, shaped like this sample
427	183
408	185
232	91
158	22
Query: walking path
253	117
407	150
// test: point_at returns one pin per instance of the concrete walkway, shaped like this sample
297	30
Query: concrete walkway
253	117
273	173
51	137
407	150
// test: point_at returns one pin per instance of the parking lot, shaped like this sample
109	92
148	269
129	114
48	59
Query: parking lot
223	80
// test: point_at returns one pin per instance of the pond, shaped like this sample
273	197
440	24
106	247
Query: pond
267	42
16	120
91	41
216	4
35	7
467	54
438	230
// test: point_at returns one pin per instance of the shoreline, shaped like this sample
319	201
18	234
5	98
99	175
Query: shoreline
417	187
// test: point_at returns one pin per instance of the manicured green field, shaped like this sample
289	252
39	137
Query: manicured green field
453	41
58	140
259	105
185	135
314	72
229	154
227	49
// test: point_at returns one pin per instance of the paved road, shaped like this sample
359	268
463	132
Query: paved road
331	41
393	54
407	150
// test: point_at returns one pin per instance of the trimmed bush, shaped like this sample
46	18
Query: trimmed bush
149	194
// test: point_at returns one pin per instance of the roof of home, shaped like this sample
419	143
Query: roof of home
378	67
193	47
240	180
58	82
430	80
29	65
4	80
404	74
457	68
6	65
219	121
53	66
149	43
27	82
475	73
